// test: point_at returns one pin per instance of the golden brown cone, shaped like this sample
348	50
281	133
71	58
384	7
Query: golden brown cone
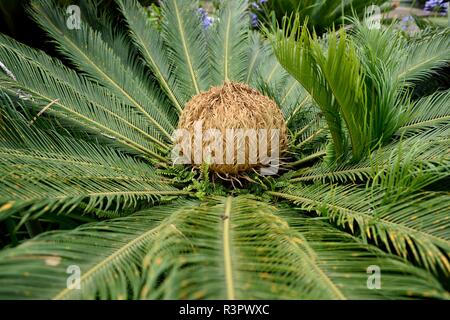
234	106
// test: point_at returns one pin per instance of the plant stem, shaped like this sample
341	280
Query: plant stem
11	226
33	227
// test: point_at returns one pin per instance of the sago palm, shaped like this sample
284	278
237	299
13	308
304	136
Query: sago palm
86	145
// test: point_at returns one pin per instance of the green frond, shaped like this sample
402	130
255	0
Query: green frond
99	17
228	248
296	50
228	43
322	15
346	262
428	113
294	99
153	50
269	71
76	100
45	171
343	73
84	146
425	147
309	137
241	248
108	256
86	49
188	52
386	46
424	57
256	53
271	79
415	226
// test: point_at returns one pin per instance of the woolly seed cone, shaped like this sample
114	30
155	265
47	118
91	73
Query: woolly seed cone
234	106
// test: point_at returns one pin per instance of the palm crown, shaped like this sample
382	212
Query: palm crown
361	187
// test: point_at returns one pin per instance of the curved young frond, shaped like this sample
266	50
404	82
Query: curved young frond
428	113
424	57
323	15
425	147
266	74
297	50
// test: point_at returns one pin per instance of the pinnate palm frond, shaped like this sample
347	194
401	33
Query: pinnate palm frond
228	43
267	74
428	113
343	258
99	17
273	81
322	15
107	254
153	50
351	80
423	148
241	248
86	49
412	226
224	248
384	213
72	98
256	53
296	50
45	171
188	51
424	57
294	98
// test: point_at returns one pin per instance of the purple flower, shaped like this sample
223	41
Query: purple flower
406	22
254	20
206	20
256	6
438	6
407	19
262	1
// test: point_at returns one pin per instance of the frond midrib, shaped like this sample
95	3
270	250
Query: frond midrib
226	45
130	143
108	259
185	48
405	229
110	80
227	251
107	110
420	123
